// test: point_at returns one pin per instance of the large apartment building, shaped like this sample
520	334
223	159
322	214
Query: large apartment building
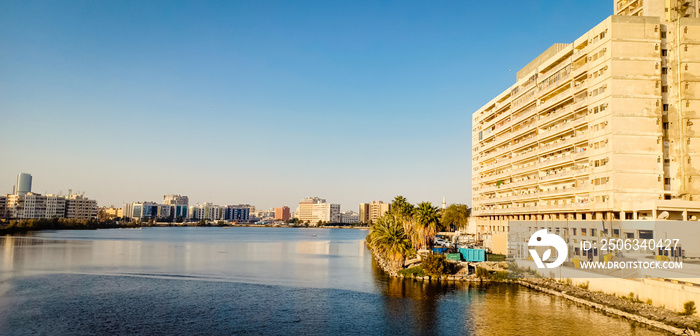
604	128
370	212
313	210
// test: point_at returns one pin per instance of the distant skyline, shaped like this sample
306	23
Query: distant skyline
261	102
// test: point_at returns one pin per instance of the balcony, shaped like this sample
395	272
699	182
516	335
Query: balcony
560	176
556	99
522	130
524	169
555	161
524	115
556	115
524	143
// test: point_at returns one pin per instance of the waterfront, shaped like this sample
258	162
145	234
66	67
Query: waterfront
253	281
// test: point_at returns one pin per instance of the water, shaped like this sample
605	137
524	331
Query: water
252	281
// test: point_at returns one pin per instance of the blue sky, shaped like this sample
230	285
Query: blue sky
261	102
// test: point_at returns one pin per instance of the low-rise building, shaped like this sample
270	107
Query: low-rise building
3	206
207	211
349	217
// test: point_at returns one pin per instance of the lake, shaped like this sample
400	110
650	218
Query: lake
253	281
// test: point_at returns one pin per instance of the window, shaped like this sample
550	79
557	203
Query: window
664	88
664	52
665	107
665	126
667	180
664	70
663	35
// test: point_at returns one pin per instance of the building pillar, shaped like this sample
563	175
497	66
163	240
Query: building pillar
653	214
622	215
685	215
634	215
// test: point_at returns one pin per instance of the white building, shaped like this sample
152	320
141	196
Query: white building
349	217
313	210
207	211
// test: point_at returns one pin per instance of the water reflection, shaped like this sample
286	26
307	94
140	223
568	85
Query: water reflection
260	280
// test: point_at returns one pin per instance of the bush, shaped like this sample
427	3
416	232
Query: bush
436	264
412	271
689	308
500	276
482	273
584	285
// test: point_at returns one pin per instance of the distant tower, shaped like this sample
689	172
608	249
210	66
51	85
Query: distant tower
24	184
444	204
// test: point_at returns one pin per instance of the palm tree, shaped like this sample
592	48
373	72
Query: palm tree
427	224
387	237
403	212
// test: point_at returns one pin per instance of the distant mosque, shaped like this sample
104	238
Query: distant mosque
444	204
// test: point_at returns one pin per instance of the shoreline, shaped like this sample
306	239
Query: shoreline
652	316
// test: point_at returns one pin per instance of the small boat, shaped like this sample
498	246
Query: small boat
313	235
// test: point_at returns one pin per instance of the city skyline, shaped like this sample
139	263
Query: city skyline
260	103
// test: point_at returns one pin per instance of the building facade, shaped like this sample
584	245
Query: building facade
282	213
313	210
237	213
207	211
33	205
370	212
349	217
3	207
599	129
24	184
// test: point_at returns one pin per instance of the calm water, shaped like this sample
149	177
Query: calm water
203	281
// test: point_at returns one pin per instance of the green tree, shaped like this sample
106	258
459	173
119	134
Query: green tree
387	237
427	224
456	216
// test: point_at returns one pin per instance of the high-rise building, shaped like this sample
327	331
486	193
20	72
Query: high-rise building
370	212
599	129
24	184
313	210
282	213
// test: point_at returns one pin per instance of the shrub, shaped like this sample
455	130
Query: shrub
500	276
584	285
436	264
689	308
482	273
413	271
649	302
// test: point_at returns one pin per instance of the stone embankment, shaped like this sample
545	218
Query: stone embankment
629	308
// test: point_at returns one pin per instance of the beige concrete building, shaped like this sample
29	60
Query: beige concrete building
313	209
601	128
370	212
3	207
80	207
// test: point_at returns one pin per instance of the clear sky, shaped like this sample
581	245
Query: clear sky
261	102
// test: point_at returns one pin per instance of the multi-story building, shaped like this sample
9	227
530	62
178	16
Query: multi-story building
237	213
3	207
370	212
207	211
176	200
33	205
80	207
140	210
313	210
599	129
110	212
24	184
349	217
282	213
